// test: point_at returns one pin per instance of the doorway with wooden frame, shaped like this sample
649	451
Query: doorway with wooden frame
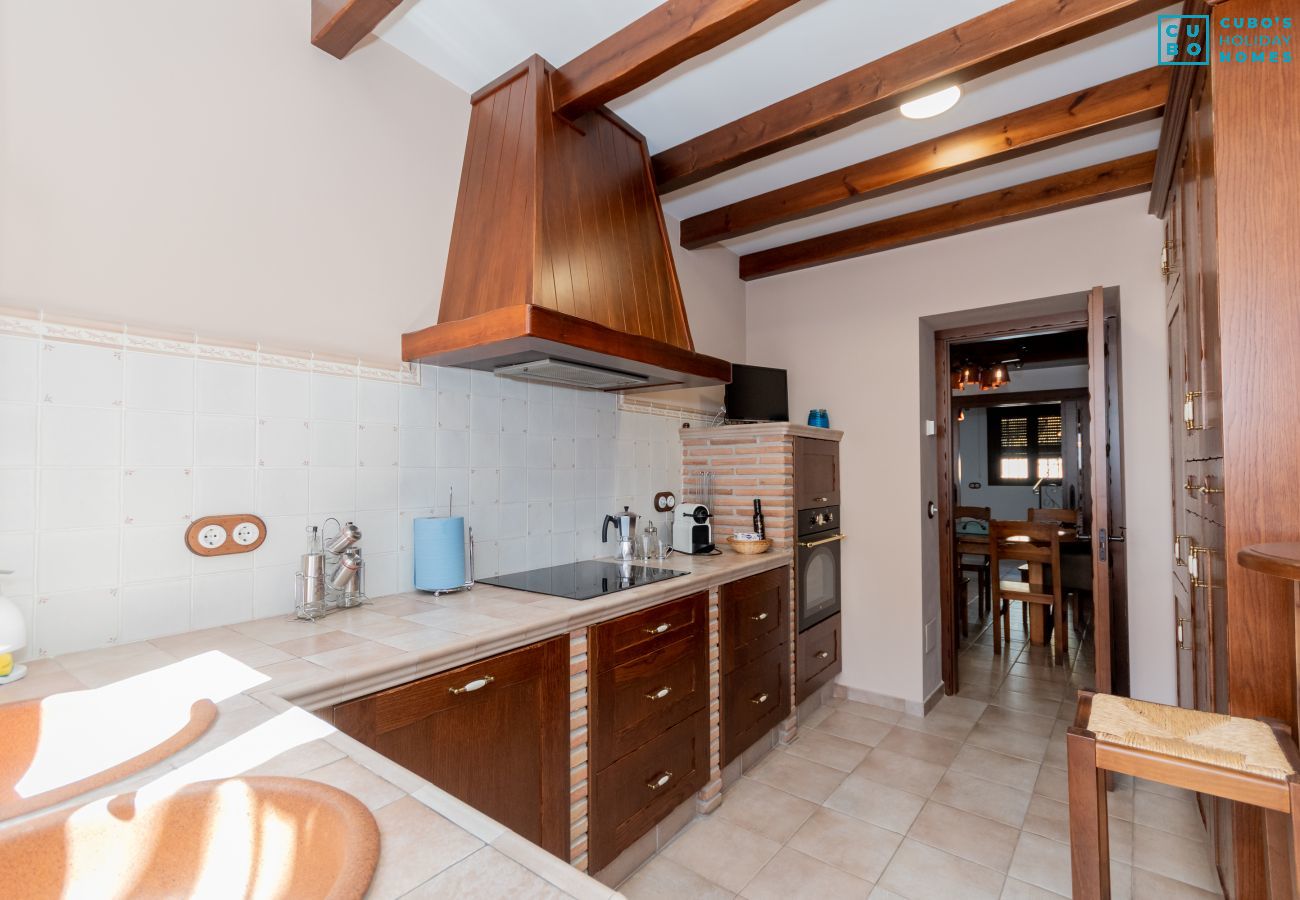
1051	452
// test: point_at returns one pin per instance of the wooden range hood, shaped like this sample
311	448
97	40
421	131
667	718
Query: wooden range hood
558	252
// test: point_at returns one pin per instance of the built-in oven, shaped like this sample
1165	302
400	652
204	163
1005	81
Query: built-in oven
817	564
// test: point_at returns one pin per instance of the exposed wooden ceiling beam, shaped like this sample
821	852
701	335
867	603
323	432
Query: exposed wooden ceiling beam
1107	181
663	38
1104	107
999	38
339	25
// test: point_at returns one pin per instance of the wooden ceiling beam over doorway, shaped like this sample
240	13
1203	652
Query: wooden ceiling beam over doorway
1134	98
339	25
663	38
999	38
1107	181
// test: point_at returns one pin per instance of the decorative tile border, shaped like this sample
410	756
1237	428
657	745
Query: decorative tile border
144	340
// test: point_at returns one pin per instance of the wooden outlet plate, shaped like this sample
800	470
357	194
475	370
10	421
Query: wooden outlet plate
199	545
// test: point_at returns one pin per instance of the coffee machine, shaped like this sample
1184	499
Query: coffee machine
692	532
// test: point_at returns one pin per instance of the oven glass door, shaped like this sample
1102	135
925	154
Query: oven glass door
819	583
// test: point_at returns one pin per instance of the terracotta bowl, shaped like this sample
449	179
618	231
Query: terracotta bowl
263	837
37	770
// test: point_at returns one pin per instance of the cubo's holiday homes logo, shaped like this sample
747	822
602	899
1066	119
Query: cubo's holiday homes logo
1190	40
1183	40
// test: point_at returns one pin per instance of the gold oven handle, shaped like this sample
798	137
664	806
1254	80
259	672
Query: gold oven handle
807	545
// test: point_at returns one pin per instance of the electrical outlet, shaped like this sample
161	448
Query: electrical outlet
221	535
246	533
212	537
929	636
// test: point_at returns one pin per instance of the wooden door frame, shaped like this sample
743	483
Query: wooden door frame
943	341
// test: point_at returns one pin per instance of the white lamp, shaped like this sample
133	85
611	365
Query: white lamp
13	637
931	104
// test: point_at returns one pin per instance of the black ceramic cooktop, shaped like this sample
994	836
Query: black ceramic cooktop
583	580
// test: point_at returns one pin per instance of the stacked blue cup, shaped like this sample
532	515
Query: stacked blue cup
439	553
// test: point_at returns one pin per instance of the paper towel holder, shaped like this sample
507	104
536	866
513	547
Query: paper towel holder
469	570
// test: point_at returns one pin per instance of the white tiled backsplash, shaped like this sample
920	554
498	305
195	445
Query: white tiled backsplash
107	454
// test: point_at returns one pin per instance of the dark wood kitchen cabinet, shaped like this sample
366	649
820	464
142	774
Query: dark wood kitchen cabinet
649	743
494	733
817	473
1232	314
817	658
755	613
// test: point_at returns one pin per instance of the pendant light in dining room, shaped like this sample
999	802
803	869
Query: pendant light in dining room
999	375
969	376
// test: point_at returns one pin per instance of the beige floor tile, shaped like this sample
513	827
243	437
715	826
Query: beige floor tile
1150	886
1015	889
794	775
1175	857
920	872
829	750
1048	818
1026	703
816	717
360	782
1041	689
965	834
852	727
1043	862
792	874
764	810
876	803
723	853
856	847
879	893
486	873
1177	816
418	844
1053	783
1012	743
939	724
991	766
907	742
985	798
869	711
895	770
663	879
1018	720
960	706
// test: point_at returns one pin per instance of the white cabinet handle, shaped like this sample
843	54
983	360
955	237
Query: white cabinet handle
759	700
476	684
659	781
658	629
760	617
659	694
822	654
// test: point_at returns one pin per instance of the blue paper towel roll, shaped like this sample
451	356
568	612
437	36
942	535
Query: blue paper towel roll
439	553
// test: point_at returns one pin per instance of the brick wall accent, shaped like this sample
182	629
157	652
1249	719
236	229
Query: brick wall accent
710	796
578	765
744	468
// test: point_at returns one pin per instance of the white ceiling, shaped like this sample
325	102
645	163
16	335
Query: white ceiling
471	43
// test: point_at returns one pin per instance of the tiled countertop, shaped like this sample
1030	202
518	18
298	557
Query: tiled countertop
431	842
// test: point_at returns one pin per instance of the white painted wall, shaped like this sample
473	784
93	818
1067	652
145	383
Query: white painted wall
848	332
206	170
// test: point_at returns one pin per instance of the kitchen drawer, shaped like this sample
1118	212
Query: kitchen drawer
755	698
816	473
638	700
634	794
639	633
755	616
818	658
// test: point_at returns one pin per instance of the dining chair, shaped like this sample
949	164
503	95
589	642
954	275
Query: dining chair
1050	514
1039	544
974	562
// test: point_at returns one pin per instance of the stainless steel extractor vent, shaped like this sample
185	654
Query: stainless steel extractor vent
571	374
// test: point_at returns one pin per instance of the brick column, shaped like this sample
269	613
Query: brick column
578	764
710	796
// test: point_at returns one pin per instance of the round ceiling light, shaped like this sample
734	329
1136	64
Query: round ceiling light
932	104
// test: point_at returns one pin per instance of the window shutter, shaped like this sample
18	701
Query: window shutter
1015	435
1049	434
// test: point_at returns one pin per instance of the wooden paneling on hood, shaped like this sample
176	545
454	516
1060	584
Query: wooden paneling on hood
558	248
